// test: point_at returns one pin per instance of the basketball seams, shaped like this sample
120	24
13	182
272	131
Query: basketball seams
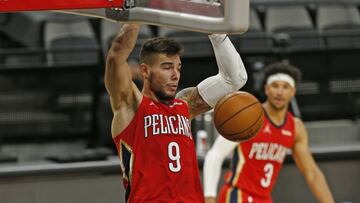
256	130
257	120
237	112
248	136
230	112
222	102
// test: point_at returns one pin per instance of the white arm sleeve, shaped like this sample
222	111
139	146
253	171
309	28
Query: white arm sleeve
232	73
213	162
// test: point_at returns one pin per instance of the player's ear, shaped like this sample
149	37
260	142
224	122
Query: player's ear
145	70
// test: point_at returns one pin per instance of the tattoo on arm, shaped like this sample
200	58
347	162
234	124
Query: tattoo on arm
195	102
185	93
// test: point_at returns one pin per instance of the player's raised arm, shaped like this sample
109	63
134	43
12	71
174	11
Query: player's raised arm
118	80
231	77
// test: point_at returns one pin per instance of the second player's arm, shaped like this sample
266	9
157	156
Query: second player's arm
231	77
308	167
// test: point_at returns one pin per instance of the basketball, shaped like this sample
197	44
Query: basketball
238	116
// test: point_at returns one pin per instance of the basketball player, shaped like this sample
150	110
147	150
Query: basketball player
151	128
257	162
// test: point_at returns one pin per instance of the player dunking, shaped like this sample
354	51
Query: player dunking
151	128
256	163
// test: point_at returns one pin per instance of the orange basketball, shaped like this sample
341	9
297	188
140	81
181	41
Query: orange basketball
238	116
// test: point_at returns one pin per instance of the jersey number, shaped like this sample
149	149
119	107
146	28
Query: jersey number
268	170
174	156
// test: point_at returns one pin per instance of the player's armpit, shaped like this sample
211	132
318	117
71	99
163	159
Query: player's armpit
195	102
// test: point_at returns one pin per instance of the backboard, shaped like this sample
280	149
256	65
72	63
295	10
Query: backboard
36	5
208	16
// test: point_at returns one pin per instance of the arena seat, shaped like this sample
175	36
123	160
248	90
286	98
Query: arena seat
340	25
255	40
22	46
295	22
295	38
30	23
70	39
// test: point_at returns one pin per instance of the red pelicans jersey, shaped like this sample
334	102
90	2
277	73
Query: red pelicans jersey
157	155
257	163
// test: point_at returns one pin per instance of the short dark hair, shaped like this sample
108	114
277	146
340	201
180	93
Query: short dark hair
282	67
159	45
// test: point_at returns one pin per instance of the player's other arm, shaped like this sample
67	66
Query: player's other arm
231	77
212	166
308	167
124	96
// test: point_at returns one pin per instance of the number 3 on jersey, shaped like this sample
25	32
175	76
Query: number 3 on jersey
174	156
268	170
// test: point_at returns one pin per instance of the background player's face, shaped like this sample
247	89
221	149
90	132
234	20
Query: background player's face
279	94
164	76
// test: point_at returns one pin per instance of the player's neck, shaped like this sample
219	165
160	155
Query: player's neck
153	97
277	116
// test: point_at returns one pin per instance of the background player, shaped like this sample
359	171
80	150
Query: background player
256	163
151	129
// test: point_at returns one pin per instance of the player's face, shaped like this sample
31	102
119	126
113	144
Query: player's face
279	94
164	76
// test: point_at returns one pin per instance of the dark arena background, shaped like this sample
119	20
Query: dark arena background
55	116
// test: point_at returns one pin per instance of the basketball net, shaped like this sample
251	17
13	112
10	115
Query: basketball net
208	16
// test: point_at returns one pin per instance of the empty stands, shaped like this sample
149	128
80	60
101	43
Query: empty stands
295	21
54	106
70	39
322	41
